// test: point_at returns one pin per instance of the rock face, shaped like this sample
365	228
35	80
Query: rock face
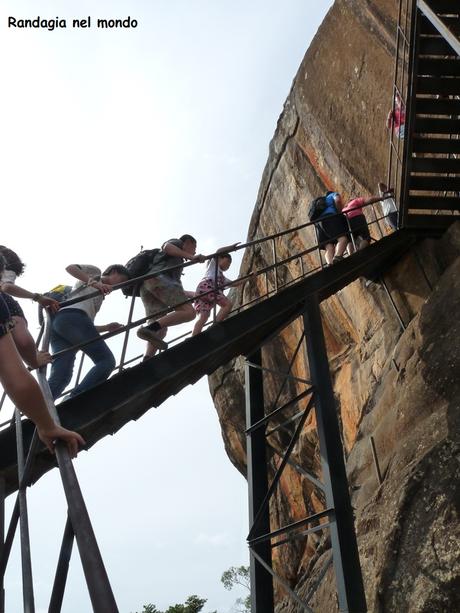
400	387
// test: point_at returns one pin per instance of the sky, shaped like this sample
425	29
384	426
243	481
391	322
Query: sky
113	140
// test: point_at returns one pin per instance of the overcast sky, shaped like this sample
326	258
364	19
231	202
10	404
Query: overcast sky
116	139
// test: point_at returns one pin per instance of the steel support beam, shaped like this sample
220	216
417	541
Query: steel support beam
2	541
26	559
99	588
261	579
349	580
62	570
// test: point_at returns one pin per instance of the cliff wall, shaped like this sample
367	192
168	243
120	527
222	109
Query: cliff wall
400	387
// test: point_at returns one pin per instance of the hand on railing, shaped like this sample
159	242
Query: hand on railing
199	257
102	287
72	439
47	303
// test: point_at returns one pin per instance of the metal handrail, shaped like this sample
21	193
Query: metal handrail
279	285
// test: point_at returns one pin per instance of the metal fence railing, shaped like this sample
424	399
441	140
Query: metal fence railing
286	265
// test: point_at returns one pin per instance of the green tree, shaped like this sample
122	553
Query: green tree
193	604
238	575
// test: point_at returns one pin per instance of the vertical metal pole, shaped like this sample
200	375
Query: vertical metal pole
62	569
410	114
261	579
318	247
2	541
302	268
130	319
80	368
214	308
352	238
275	262
26	561
347	568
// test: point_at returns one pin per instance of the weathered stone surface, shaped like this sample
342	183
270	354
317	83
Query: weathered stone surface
401	388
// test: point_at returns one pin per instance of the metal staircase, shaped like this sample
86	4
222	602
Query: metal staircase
427	77
425	169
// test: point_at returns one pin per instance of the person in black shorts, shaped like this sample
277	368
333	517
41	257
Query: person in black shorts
332	229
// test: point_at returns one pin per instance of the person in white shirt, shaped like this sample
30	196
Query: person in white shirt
74	325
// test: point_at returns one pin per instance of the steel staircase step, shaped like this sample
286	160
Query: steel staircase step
422	144
444	6
437	106
435	165
453	23
430	125
435	45
438	66
434	184
446	203
438	85
422	222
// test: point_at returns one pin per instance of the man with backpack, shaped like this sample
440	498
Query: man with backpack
331	229
165	290
74	324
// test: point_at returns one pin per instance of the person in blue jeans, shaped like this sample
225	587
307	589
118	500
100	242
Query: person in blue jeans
74	324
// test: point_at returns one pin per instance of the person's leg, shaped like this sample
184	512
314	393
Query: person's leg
171	293
98	352
200	322
225	307
330	250
342	243
62	365
181	314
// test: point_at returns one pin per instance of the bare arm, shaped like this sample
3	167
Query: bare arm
374	199
21	292
26	394
81	275
177	252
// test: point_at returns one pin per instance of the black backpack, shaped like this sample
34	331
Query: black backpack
138	266
317	208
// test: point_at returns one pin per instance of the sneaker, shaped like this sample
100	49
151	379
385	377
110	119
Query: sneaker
147	334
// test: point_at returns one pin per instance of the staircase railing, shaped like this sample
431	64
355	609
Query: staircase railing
270	279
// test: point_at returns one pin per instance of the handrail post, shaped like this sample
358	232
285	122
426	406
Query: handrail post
26	561
275	265
130	319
